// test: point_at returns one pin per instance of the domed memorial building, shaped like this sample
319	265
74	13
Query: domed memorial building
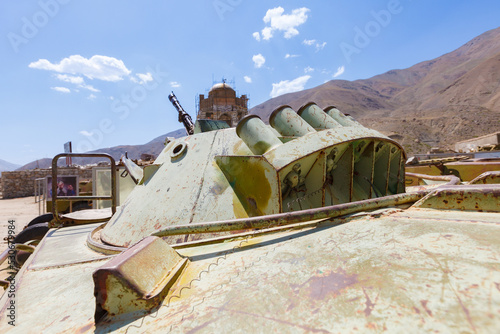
223	104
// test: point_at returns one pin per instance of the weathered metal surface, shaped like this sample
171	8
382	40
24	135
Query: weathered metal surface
316	117
424	179
136	172
181	184
67	246
256	135
138	279
340	117
86	216
286	121
396	269
412	270
254	182
53	291
291	217
466	170
471	197
215	176
382	264
487	178
285	154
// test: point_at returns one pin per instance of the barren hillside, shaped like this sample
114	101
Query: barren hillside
433	103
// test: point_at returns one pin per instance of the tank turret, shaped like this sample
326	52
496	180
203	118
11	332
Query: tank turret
257	169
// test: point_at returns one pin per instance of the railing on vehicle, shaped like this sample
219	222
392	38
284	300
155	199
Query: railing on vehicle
56	198
40	194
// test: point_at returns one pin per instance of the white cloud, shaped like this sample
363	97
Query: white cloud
267	33
86	133
97	67
287	86
89	87
145	77
290	56
174	84
309	42
70	79
247	79
78	81
91	97
142	78
287	23
61	89
320	46
308	69
312	42
339	72
258	60
256	35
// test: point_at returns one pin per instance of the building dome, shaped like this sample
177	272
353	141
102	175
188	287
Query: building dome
222	104
222	90
220	86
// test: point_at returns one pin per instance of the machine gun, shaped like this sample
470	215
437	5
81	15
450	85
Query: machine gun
184	117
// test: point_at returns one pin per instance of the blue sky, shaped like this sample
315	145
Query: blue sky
98	73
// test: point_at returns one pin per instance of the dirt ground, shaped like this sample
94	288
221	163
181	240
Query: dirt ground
21	211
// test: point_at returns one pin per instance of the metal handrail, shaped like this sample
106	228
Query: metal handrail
77	198
40	194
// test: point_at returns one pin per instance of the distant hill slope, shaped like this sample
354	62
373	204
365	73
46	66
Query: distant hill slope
434	103
6	166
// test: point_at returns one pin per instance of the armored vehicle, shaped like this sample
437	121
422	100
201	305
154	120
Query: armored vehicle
303	225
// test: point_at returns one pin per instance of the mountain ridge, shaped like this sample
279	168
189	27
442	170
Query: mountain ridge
6	166
435	102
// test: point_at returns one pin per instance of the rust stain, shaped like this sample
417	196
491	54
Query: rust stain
291	306
329	282
85	328
396	256
369	304
200	327
424	305
466	311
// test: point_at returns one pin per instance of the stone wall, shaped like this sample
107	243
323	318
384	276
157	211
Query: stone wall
22	183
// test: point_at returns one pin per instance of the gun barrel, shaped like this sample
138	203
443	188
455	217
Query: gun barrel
184	117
